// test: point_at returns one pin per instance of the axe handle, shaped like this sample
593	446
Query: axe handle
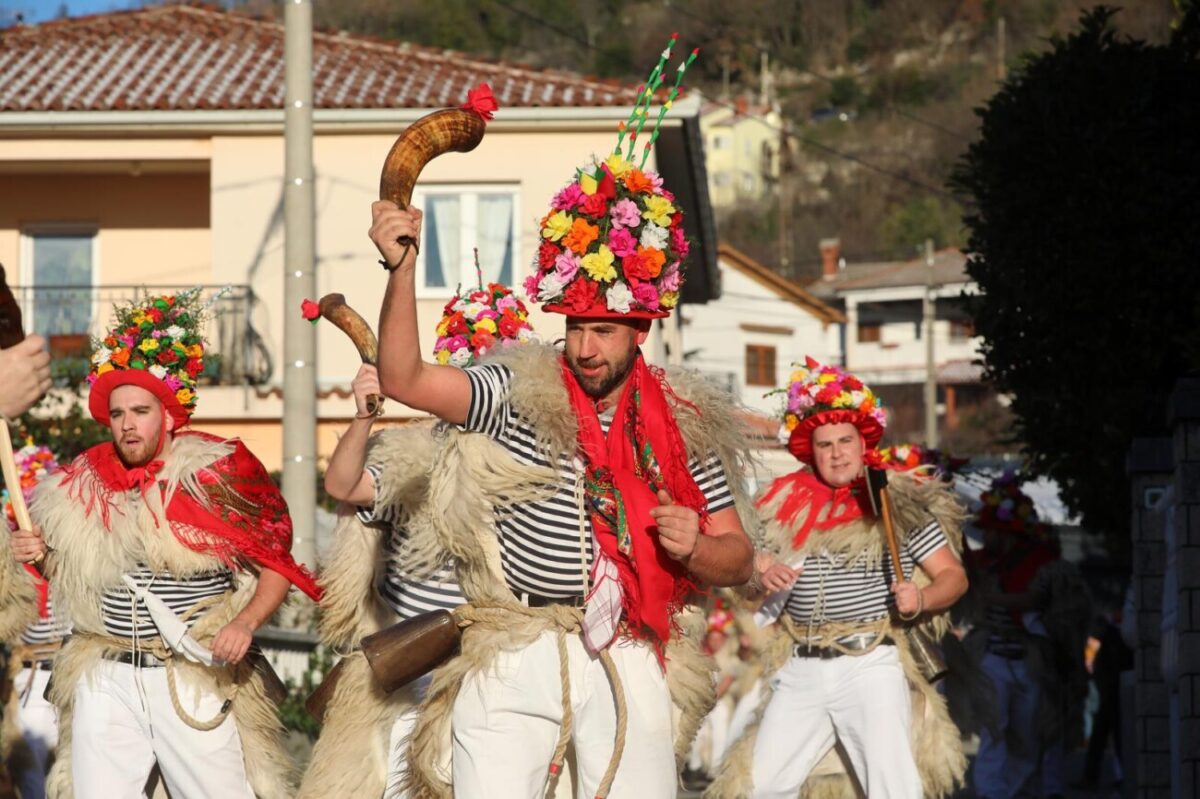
889	532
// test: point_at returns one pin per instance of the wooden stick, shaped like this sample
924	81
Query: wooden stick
889	529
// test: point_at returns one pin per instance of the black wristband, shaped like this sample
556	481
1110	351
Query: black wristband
388	267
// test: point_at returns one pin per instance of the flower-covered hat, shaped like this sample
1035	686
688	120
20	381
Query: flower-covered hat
613	244
906	457
155	344
819	394
474	324
1005	507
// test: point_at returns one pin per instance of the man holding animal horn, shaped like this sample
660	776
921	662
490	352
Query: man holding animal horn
167	549
840	669
600	498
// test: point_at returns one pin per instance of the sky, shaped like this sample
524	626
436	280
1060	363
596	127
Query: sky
34	11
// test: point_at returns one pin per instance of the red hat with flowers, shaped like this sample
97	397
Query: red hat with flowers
155	344
478	322
907	457
820	394
613	244
1005	507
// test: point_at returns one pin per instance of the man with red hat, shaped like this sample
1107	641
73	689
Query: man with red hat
843	671
626	483
167	549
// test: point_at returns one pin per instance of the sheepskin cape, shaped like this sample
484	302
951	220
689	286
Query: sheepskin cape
937	744
472	478
87	559
18	609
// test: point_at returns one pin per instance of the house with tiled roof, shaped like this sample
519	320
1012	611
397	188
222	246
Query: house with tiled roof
145	148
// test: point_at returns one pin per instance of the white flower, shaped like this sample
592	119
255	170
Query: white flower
525	334
158	371
551	287
175	332
654	236
619	297
473	310
102	356
856	398
460	357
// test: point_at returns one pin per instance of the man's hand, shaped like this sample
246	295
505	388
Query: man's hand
28	546
26	370
772	575
364	385
389	224
909	601
678	527
232	642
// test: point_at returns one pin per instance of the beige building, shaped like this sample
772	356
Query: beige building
145	149
741	150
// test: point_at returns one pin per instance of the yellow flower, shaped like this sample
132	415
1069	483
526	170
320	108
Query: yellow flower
669	299
826	378
791	421
798	375
486	324
658	210
618	165
842	400
588	184
104	367
138	318
148	346
195	351
184	395
599	265
557	226
441	328
443	357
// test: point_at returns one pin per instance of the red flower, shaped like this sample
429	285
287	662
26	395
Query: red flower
481	297
829	393
457	325
547	253
481	101
168	356
851	382
482	340
310	310
594	205
155	315
581	295
676	218
194	367
509	325
635	267
607	187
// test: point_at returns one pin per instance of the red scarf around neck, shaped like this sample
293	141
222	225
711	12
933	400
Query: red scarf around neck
807	490
642	453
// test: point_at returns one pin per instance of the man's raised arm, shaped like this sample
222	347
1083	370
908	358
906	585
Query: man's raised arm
443	391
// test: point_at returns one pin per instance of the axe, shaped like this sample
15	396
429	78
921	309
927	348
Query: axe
11	333
924	650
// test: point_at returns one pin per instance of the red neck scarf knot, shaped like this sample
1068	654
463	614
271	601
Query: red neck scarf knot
824	506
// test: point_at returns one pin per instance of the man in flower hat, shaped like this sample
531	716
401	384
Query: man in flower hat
603	499
167	548
372	577
843	672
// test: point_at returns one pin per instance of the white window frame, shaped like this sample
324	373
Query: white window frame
468	194
32	231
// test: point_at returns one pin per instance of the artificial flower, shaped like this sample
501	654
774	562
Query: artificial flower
621	242
580	295
646	296
625	213
557	226
653	236
581	235
658	209
618	297
599	265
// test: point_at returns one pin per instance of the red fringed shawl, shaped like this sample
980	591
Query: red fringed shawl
828	507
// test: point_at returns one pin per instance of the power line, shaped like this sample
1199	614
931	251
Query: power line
787	131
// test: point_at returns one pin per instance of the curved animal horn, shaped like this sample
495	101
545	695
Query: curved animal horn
350	322
452	130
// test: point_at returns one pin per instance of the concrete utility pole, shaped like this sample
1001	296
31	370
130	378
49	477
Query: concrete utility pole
299	282
1001	47
927	318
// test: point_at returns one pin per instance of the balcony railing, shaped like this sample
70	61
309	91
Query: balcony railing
69	317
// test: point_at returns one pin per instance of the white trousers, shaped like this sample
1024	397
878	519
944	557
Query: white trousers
1000	770
124	722
506	723
863	702
39	727
398	740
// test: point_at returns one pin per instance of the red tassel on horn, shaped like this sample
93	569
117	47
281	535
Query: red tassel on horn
481	101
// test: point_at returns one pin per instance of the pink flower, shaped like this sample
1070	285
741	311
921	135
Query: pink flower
308	309
530	285
679	242
442	343
669	280
655	180
566	264
625	213
457	343
568	198
646	296
507	303
667	194
129	341
173	382
621	242
487	313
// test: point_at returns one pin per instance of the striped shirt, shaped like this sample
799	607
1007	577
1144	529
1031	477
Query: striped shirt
117	606
830	589
542	550
46	630
407	597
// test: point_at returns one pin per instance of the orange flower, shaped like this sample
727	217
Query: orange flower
121	356
636	181
581	235
653	259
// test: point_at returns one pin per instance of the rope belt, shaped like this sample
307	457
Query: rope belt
564	620
158	649
831	635
23	654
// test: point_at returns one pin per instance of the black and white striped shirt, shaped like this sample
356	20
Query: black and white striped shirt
407	597
830	589
118	604
541	551
46	630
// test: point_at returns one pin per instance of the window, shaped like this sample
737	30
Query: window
760	365
58	271
748	183
720	179
457	221
869	332
961	329
720	142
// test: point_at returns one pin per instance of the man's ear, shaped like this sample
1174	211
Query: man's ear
169	421
643	331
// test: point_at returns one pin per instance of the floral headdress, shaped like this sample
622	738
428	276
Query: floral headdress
155	343
819	394
1004	506
474	324
34	461
613	243
906	457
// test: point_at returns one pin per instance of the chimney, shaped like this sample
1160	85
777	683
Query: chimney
831	250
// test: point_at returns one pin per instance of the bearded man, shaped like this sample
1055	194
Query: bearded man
167	549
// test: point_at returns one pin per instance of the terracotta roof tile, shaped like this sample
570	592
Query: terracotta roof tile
186	58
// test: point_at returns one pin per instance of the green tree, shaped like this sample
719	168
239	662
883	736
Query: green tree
1085	192
908	224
